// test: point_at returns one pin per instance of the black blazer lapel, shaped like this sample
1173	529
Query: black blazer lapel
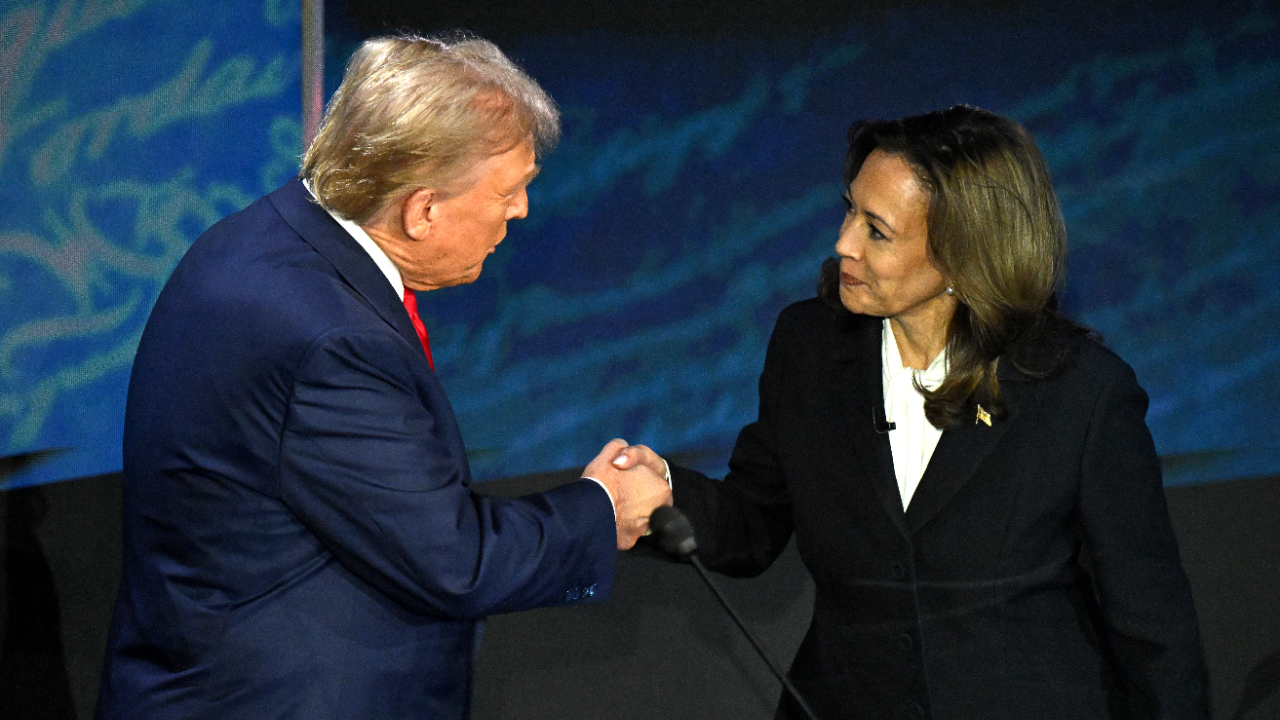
963	448
294	203
858	372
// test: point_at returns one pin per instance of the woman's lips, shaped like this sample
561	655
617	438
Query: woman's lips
847	279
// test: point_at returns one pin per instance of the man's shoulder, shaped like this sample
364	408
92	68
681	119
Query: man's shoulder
252	275
260	220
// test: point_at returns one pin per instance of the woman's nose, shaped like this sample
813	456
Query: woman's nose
848	244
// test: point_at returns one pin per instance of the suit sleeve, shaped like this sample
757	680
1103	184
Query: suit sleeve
1143	591
743	523
380	478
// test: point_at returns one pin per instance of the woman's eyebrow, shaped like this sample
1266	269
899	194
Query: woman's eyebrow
880	220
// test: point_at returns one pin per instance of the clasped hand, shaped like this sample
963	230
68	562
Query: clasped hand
637	484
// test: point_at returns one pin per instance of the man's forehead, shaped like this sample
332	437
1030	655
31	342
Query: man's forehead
519	164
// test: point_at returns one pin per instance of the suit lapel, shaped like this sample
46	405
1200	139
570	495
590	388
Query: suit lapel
311	222
962	449
858	373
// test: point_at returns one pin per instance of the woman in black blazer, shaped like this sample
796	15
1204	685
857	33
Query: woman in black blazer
968	474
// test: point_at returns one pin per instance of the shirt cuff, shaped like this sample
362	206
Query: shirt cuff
607	494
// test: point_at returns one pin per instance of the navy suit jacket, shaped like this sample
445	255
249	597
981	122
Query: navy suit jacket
301	538
1034	574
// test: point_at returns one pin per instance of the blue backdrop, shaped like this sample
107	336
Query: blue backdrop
126	128
694	195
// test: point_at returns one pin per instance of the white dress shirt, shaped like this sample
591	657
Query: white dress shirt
913	438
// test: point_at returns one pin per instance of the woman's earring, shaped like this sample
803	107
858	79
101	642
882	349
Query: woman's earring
951	290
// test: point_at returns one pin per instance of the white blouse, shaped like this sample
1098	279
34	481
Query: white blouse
913	438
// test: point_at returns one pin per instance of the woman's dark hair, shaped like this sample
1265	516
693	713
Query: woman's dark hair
995	233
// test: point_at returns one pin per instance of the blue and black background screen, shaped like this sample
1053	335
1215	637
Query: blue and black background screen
694	195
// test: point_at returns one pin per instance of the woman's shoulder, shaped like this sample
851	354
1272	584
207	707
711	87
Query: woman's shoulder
815	316
1073	354
1099	362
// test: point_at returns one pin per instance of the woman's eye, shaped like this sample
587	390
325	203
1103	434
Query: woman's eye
874	233
848	204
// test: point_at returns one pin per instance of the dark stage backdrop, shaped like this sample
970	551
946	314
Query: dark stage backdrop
694	195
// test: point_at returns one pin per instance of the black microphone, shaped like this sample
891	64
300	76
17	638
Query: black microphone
674	532
675	536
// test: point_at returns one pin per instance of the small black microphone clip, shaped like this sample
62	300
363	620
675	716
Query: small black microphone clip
881	426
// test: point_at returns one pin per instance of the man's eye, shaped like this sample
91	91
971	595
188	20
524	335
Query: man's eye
874	233
848	204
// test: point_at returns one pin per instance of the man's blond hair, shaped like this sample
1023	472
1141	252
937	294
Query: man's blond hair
416	112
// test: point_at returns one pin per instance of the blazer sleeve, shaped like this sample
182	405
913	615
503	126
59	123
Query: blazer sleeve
381	479
1143	591
744	522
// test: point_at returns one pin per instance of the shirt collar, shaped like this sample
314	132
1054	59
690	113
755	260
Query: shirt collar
358	233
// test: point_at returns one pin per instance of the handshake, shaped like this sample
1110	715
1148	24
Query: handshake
636	479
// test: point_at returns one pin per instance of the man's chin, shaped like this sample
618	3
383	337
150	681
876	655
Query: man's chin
465	278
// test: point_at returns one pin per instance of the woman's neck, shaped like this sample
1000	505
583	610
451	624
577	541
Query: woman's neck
921	336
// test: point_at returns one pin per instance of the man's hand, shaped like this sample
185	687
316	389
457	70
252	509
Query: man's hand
633	455
635	492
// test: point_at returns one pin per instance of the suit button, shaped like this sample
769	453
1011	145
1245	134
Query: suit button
905	641
898	571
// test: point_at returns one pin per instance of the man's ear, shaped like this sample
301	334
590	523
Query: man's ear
418	213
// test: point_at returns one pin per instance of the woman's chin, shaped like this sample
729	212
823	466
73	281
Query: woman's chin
854	301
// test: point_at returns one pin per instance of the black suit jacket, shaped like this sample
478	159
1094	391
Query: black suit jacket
1034	575
300	535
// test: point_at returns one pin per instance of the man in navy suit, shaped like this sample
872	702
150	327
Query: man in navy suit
301	537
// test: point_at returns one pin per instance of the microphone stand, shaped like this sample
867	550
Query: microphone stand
675	536
795	694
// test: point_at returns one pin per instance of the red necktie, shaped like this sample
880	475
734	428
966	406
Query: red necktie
411	305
